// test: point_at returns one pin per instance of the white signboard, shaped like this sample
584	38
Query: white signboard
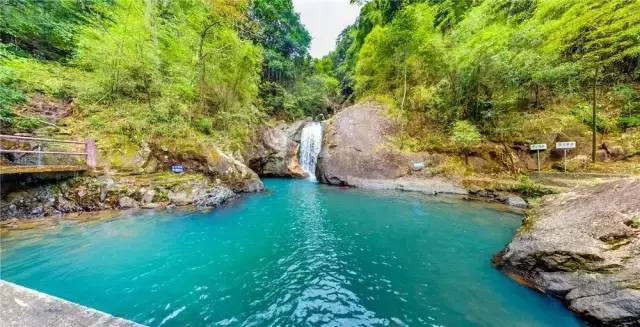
566	145
538	147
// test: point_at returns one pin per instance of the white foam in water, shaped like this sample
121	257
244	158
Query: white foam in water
310	145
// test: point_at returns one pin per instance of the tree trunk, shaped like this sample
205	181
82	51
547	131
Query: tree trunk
404	93
201	65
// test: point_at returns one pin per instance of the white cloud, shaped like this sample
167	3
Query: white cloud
325	19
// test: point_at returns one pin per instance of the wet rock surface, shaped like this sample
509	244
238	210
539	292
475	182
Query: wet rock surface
274	150
583	247
355	152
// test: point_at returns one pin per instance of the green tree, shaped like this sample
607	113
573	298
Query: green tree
464	135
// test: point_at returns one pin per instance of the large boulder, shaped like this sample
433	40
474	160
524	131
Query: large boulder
584	247
126	202
274	150
215	197
212	162
356	152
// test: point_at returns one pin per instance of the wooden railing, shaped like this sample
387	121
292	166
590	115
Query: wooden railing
87	150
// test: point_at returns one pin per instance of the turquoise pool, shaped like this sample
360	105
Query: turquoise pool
299	254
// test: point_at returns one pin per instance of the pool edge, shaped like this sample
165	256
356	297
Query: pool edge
21	306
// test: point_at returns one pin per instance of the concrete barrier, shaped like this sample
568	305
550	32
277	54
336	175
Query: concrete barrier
20	306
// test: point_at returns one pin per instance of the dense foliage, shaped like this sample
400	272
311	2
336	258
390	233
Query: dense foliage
213	69
490	61
138	70
290	87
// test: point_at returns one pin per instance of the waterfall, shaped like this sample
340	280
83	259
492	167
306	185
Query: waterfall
310	145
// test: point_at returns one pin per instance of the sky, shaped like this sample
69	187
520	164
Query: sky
325	19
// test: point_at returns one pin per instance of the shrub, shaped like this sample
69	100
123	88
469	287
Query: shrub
529	188
464	136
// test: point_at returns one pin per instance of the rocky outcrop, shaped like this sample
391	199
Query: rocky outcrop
108	192
516	201
150	158
138	176
209	160
200	195
274	151
141	179
215	197
583	246
356	152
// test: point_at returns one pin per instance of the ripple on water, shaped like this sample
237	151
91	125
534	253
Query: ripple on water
300	254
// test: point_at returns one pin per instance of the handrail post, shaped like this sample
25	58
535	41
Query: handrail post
90	149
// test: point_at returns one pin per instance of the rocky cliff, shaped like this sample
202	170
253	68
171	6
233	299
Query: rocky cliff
356	152
273	152
583	246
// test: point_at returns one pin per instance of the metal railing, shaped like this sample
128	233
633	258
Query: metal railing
34	155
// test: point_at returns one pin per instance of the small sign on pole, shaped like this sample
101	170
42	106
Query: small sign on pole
537	148
565	146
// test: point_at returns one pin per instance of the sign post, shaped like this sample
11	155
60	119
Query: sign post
565	146
537	148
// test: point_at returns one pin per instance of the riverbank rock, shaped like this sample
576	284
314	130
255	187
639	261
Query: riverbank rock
584	247
109	192
209	160
215	197
355	152
516	202
273	151
126	202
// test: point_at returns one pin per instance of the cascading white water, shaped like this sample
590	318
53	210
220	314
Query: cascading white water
310	146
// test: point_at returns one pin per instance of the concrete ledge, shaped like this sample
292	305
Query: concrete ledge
21	306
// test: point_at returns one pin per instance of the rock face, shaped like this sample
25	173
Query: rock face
517	202
126	202
141	180
213	163
215	197
584	247
87	194
355	152
274	151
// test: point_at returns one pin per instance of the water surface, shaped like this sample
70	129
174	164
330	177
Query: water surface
299	254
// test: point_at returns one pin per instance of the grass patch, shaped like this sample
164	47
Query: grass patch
634	223
452	167
531	189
